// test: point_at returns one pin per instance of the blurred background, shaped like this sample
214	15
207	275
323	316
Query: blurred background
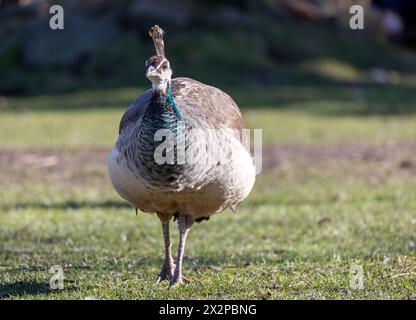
240	42
338	112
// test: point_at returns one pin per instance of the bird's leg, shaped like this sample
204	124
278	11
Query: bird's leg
184	224
168	266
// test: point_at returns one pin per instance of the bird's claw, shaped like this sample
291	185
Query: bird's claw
178	280
162	277
165	274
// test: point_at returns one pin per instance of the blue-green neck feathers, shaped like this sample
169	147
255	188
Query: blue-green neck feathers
169	98
163	112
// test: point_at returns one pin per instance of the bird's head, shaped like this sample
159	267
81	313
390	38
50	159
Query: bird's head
158	71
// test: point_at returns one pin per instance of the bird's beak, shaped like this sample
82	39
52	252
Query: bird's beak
150	72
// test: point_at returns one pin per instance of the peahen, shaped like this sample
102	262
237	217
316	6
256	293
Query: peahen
204	169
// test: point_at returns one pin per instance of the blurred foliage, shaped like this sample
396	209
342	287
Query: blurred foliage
105	44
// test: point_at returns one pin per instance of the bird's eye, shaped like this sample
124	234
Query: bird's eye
164	67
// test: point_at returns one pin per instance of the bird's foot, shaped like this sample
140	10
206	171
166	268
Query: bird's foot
178	280
185	279
166	273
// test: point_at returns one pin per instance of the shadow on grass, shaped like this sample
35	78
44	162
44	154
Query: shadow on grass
110	204
22	288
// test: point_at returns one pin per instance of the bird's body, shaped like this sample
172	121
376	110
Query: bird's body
218	171
181	152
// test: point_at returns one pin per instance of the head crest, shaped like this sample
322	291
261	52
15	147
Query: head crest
157	34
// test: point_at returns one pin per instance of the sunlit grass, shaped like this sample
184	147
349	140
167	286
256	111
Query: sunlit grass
295	237
307	115
295	241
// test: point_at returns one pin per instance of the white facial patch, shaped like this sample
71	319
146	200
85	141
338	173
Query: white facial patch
162	63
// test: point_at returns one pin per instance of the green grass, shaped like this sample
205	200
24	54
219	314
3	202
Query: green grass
295	237
306	114
275	247
57	129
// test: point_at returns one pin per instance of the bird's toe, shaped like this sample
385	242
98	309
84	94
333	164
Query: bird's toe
175	282
161	277
178	280
165	274
185	279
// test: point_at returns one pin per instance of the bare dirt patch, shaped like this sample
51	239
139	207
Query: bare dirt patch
374	163
281	155
52	166
83	166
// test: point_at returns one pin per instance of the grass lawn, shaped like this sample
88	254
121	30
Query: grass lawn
325	204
